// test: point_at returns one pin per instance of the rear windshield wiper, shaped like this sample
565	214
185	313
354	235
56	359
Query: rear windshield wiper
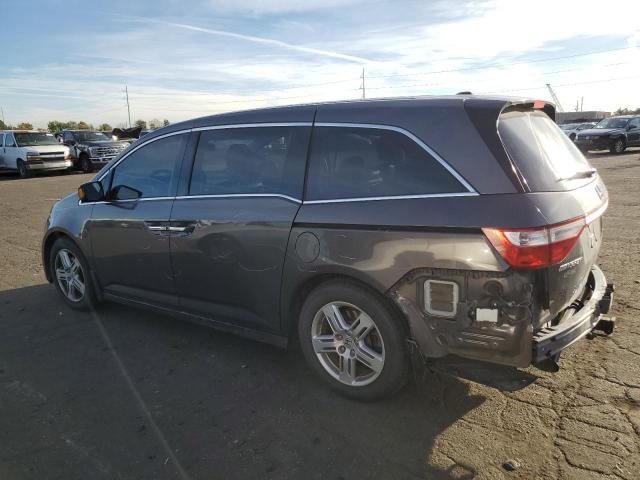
581	174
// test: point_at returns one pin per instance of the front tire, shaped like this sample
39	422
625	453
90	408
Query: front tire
71	275
85	164
354	340
618	146
23	171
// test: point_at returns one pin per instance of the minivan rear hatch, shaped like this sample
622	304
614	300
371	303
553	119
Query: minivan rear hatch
567	191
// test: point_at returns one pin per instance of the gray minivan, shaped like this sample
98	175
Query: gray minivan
464	225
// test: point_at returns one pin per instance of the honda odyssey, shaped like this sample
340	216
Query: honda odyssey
462	225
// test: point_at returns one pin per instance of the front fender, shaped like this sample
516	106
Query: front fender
68	218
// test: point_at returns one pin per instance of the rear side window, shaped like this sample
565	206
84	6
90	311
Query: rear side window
359	162
542	152
151	169
250	160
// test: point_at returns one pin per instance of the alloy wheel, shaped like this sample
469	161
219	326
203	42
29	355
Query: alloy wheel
70	275
619	146
348	343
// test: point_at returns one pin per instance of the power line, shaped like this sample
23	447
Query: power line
483	67
561	85
412	85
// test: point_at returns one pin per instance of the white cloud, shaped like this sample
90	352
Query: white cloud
184	68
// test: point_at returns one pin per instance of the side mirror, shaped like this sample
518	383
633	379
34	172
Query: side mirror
631	127
91	192
122	192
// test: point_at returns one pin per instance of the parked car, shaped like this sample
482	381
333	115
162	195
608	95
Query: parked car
614	134
572	129
27	151
459	225
90	149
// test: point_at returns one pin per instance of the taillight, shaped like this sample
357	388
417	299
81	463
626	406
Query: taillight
536	247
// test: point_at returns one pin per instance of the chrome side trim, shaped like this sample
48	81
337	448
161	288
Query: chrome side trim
178	132
396	197
241	195
407	133
252	125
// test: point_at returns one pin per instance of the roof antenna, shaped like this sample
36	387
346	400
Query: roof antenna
464	93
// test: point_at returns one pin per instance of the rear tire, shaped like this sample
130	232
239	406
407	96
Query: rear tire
354	340
71	275
23	171
618	146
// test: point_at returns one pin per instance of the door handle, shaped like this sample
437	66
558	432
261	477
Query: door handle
156	227
182	227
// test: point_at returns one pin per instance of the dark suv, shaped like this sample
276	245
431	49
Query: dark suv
90	149
461	225
614	134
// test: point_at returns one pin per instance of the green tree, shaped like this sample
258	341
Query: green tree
166	122
70	125
154	124
25	126
622	111
142	124
105	127
55	126
3	126
84	126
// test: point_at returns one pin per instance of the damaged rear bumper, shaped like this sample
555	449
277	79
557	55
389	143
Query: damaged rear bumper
588	315
508	335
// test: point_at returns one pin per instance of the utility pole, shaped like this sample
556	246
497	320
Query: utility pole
126	91
2	111
362	87
581	102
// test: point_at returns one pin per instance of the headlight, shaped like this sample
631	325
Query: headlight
33	156
92	150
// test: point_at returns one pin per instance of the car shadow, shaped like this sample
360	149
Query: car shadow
126	393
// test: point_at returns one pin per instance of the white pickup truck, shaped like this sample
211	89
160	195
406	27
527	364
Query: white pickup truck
30	151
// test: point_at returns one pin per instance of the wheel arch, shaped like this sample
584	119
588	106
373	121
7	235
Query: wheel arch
292	303
47	244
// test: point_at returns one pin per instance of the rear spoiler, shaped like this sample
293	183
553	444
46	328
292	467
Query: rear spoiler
484	115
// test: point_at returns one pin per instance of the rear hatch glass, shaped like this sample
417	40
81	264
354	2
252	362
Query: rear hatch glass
547	159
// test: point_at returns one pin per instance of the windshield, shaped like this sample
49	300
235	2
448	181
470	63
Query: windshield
612	123
568	126
91	136
541	151
31	139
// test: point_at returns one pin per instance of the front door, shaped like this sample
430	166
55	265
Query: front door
230	230
129	233
10	151
633	135
1	150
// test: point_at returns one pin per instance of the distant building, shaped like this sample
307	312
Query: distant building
579	117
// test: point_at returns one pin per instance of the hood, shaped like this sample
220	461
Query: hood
48	148
602	131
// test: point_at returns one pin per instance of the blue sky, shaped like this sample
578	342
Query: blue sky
70	60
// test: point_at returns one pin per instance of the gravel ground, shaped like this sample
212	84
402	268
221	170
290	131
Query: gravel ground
126	394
